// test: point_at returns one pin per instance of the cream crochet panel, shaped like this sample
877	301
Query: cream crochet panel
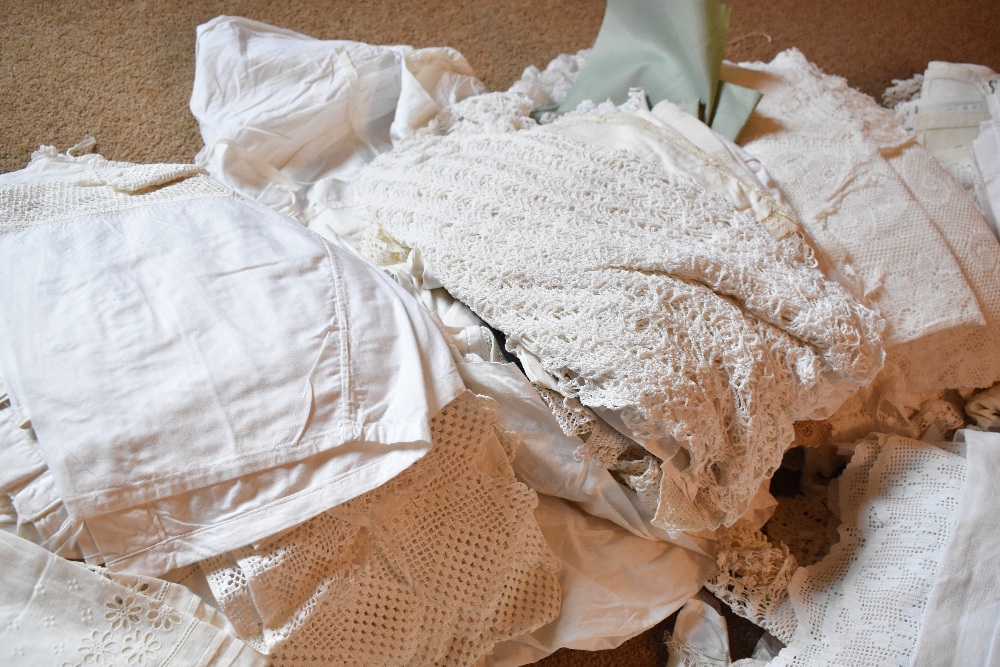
638	290
889	217
433	568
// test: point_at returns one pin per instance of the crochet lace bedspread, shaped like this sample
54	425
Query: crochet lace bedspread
637	289
434	567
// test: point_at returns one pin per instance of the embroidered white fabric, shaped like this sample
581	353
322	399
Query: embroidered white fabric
862	604
638	290
836	155
56	612
434	567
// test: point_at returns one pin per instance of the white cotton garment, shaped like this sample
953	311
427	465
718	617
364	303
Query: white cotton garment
289	120
615	585
199	371
57	612
638	290
961	624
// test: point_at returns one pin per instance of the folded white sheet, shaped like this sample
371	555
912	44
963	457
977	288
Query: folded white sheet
201	372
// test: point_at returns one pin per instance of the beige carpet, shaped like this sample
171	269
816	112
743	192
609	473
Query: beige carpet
122	72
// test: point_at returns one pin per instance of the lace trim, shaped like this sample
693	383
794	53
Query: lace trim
28	205
573	417
753	573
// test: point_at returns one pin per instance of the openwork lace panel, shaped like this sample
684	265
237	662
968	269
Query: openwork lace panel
862	604
434	567
639	291
891	220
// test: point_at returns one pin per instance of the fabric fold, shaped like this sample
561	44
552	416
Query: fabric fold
227	373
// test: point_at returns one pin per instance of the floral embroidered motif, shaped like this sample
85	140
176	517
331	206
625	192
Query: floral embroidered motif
140	647
134	583
98	649
123	612
162	617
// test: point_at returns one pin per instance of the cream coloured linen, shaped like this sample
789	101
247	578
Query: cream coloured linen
226	374
847	168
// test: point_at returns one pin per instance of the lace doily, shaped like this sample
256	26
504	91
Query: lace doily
638	290
434	567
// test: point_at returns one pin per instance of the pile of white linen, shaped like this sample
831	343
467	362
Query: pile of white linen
193	378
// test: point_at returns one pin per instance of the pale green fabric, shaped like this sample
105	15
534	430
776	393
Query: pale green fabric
733	108
673	49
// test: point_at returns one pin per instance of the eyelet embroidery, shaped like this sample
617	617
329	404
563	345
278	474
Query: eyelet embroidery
98	649
123	612
140	647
